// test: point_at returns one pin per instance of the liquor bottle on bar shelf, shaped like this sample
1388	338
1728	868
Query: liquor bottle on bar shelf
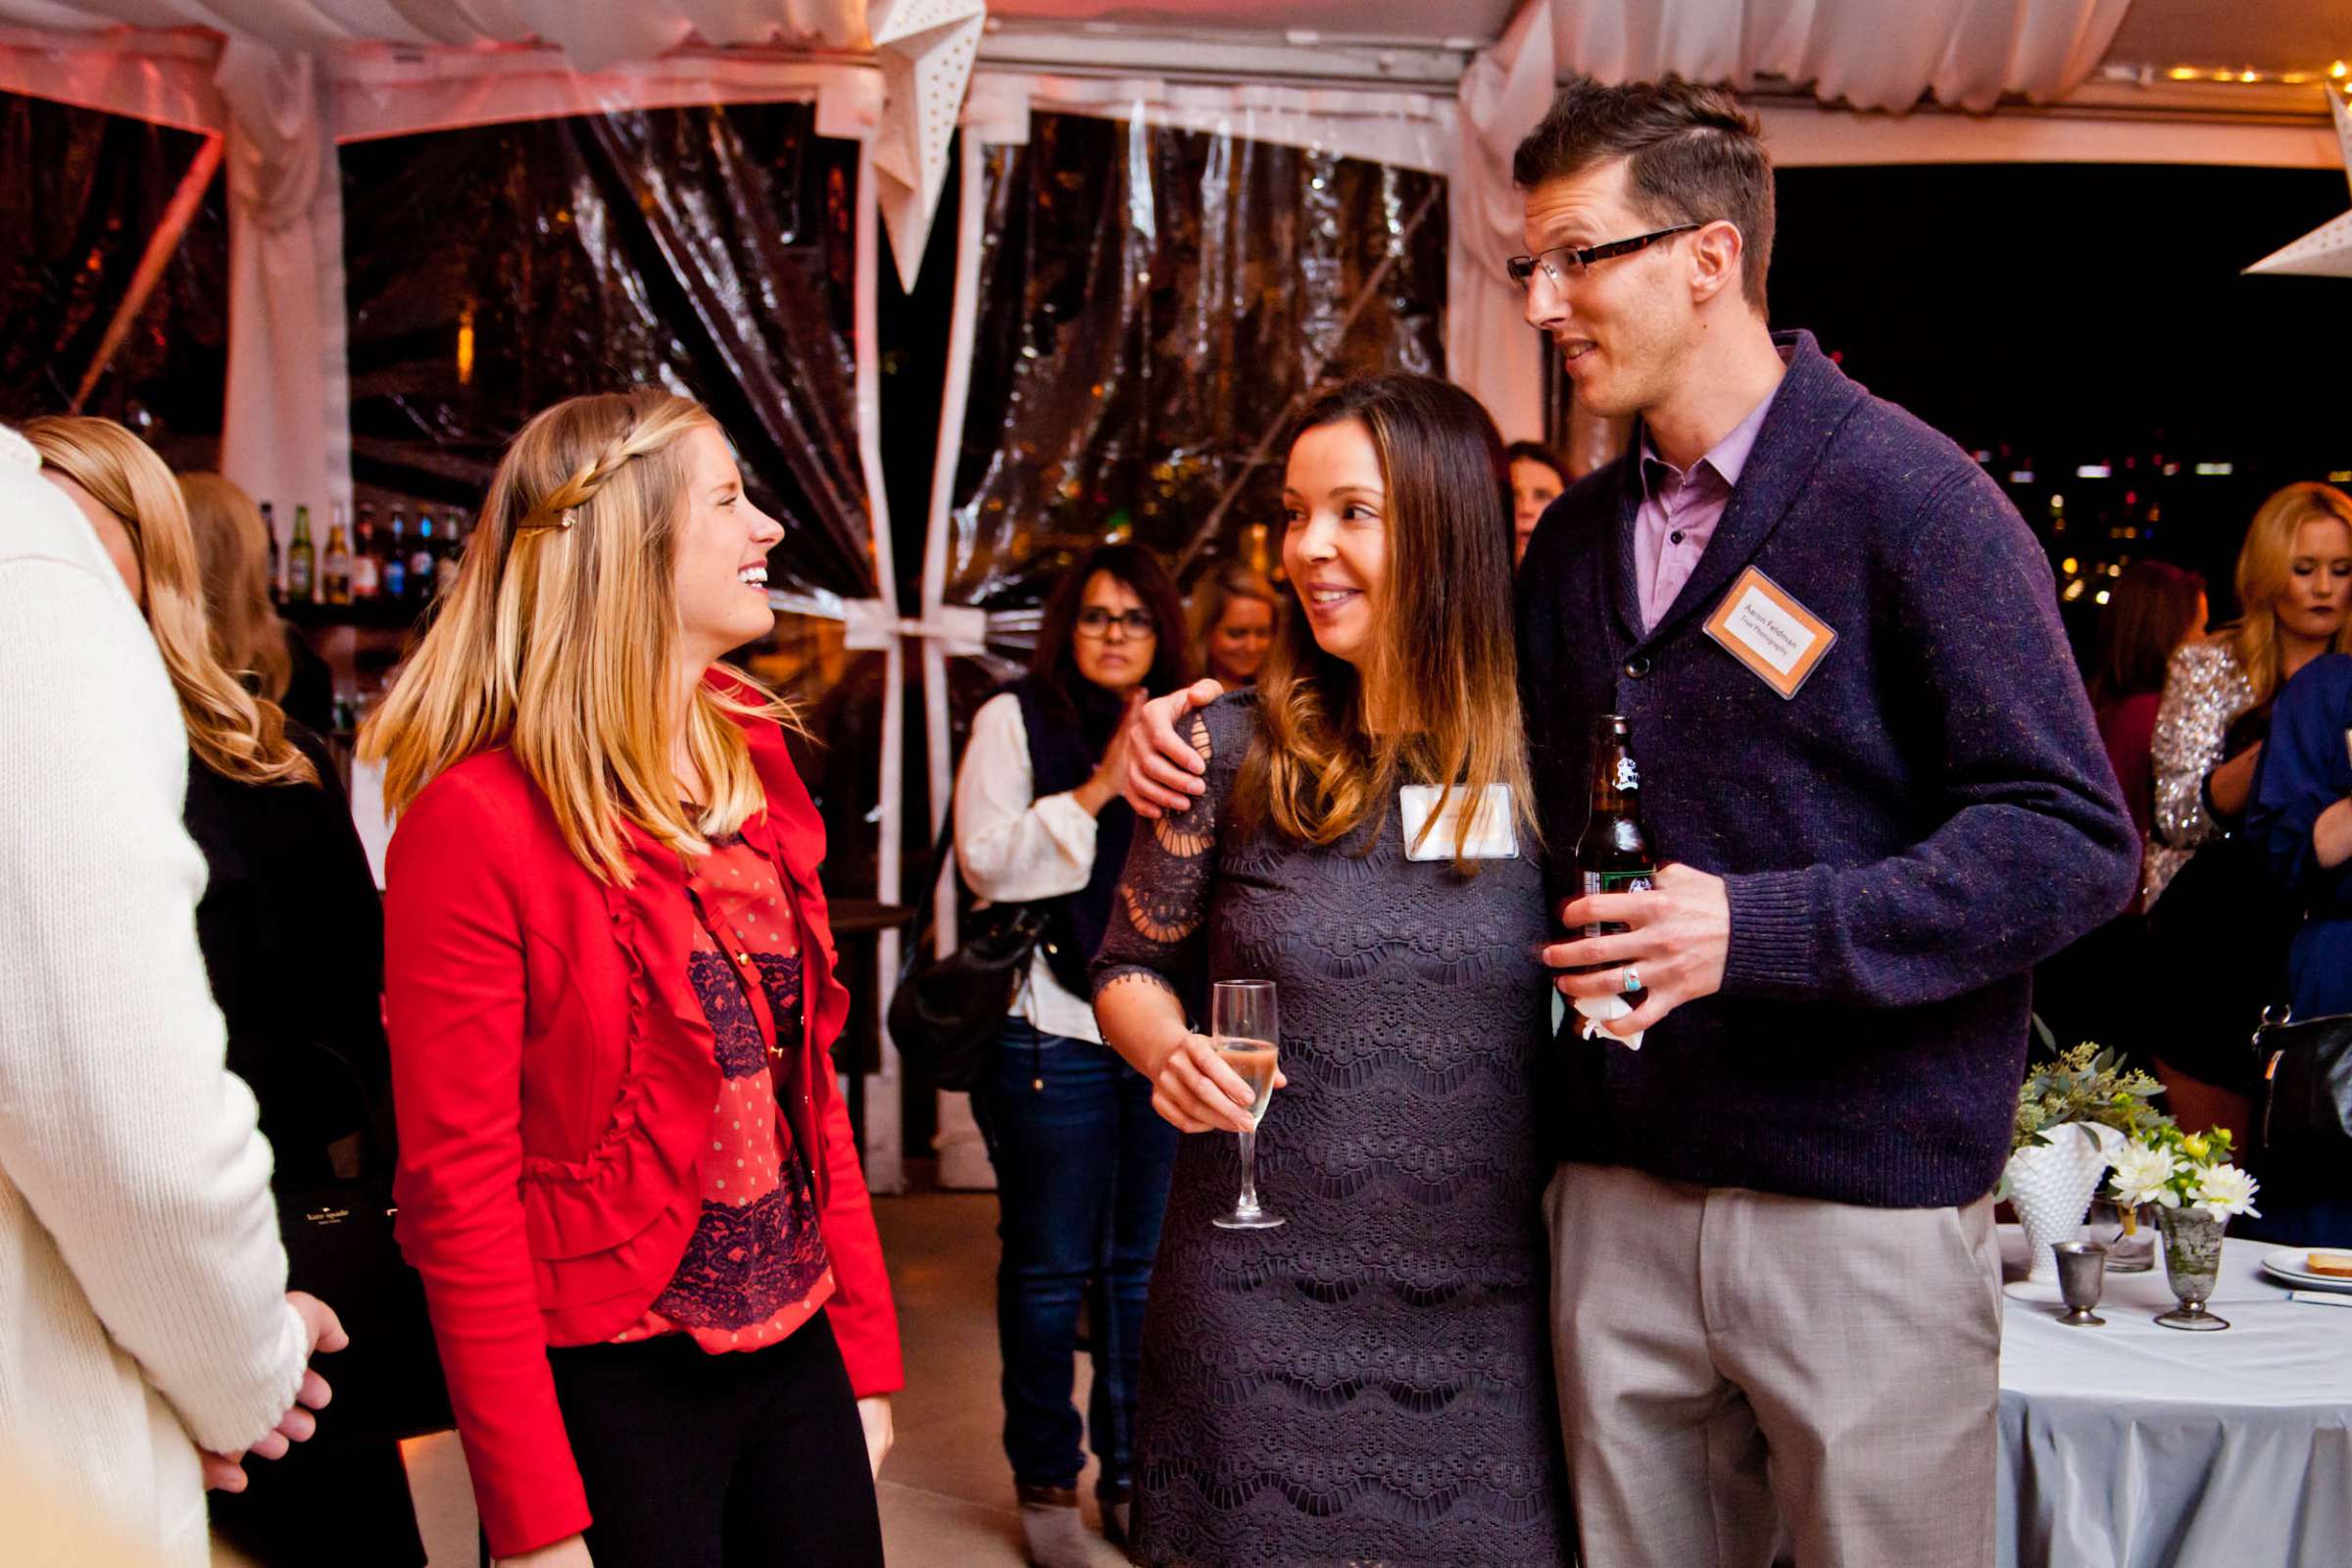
396	560
366	563
334	579
421	561
277	586
452	551
302	562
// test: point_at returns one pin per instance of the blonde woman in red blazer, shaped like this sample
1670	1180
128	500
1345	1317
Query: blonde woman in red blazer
626	1176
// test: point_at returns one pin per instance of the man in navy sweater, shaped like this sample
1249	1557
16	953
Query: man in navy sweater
1865	751
1866	756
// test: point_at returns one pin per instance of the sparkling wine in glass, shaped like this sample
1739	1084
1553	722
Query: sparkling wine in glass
1244	1029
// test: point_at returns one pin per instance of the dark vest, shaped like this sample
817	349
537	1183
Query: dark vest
1062	755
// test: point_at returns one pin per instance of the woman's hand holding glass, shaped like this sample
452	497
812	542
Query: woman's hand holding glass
1193	1089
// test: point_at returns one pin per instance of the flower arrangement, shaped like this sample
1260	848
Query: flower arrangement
2173	1169
2084	1086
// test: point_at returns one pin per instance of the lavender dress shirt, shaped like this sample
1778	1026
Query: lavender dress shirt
1680	509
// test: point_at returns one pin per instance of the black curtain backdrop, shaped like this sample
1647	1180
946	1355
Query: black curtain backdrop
707	250
1152	303
81	193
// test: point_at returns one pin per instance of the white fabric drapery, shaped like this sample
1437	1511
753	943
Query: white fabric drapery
1863	54
273	75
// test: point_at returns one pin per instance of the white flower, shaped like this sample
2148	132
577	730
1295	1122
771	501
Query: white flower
2141	1176
2227	1191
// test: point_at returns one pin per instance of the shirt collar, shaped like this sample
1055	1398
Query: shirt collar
1727	457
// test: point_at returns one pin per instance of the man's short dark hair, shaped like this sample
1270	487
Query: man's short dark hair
1693	156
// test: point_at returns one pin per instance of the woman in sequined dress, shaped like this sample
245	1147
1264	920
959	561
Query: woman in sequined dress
1371	1382
2294	581
626	1173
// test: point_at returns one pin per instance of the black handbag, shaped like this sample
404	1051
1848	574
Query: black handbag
2220	916
2303	1074
387	1383
947	1011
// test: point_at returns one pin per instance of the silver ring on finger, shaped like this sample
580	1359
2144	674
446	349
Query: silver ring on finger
1629	980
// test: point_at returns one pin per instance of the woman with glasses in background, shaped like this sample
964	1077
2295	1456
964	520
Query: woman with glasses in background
1082	1160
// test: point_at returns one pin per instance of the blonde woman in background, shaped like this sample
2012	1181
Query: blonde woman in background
626	1173
2294	584
143	1310
292	935
232	549
1234	612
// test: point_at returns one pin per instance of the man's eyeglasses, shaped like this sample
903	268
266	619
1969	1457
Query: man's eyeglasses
1566	262
1096	621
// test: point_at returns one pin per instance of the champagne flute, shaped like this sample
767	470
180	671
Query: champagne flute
1243	1028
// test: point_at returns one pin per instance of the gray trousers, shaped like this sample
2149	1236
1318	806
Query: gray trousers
1740	1371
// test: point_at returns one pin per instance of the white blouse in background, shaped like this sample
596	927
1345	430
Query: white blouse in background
1015	848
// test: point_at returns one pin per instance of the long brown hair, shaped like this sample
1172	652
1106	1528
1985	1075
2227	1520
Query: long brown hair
2152	611
1444	663
560	639
2263	562
233	550
231	731
1055	662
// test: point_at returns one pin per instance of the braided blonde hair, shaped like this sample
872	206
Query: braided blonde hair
560	636
231	731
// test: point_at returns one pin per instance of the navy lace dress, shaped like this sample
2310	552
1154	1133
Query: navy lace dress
1370	1383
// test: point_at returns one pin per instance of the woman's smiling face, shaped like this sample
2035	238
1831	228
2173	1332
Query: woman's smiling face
1335	542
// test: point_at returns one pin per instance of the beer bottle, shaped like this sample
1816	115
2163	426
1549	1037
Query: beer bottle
302	561
366	557
1613	854
278	587
334	581
396	560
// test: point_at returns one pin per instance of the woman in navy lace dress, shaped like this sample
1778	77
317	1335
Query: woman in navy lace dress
1369	1382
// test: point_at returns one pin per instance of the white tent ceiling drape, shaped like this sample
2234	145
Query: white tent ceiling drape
285	81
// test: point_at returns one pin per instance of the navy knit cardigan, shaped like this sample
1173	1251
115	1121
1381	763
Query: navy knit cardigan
1929	816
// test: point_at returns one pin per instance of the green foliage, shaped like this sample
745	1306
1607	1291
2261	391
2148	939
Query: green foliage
2085	1085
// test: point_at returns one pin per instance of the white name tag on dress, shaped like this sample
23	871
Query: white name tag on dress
1491	834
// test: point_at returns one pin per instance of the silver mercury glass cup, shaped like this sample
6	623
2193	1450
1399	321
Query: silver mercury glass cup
2081	1276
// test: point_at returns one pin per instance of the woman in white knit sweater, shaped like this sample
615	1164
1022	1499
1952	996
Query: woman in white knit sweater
142	1306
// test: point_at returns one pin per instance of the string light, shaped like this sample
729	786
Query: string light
2339	73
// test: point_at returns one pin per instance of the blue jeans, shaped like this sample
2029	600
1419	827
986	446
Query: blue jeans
1082	1176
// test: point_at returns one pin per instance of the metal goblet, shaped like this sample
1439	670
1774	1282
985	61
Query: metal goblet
2082	1277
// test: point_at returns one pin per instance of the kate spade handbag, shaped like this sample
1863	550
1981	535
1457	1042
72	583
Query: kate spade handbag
947	1011
2303	1076
387	1383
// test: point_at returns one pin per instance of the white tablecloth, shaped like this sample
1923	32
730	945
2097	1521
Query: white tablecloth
2139	1447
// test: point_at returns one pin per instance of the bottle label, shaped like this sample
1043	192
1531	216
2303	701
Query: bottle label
1627	777
1614	882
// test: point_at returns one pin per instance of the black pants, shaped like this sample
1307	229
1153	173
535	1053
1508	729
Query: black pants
693	1460
353	1494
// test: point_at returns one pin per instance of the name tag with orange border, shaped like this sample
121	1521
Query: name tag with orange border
1761	624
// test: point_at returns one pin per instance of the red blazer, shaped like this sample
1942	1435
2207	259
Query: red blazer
553	1078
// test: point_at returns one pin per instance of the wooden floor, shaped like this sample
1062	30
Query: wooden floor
947	1492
